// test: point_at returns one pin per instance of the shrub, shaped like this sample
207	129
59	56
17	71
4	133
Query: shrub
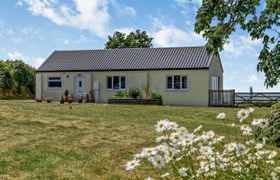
198	154
156	96
272	131
121	94
134	92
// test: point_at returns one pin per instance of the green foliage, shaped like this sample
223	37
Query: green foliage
16	78
272	132
135	39
157	96
121	94
134	92
217	20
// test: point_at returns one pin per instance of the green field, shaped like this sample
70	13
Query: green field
89	141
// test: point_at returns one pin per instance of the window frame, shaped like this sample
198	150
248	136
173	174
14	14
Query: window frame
173	83
54	76
112	83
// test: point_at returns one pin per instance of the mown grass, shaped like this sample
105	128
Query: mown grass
89	141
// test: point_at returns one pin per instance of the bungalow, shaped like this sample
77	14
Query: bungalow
182	75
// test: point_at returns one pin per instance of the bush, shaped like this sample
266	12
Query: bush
272	132
199	154
134	92
121	94
156	96
276	106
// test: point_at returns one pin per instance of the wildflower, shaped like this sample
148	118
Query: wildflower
165	175
158	161
162	125
206	150
161	138
231	146
246	130
162	147
174	137
243	114
259	146
130	165
183	172
251	110
149	178
147	152
241	149
221	116
272	154
232	125
182	130
172	126
263	123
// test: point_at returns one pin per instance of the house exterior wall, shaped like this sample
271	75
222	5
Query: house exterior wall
216	70
196	93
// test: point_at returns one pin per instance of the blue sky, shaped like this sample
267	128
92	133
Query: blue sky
32	29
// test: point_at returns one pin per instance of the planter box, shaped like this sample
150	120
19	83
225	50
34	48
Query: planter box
135	101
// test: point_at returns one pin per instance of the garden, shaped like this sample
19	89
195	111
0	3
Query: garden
96	141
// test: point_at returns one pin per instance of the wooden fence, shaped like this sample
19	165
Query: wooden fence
232	98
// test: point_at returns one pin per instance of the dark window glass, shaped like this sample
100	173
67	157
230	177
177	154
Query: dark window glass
169	82
116	82
122	82
109	83
80	83
55	84
54	78
184	82
177	82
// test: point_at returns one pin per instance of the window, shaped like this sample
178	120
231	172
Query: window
54	82
80	83
116	82
177	82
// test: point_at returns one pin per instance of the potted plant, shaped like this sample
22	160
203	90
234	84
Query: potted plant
49	100
61	99
80	99
70	98
66	95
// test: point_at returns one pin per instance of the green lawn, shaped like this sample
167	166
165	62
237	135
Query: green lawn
52	141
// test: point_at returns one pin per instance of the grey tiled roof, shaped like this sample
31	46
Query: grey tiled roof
128	59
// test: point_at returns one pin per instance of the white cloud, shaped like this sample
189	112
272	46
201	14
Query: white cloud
19	4
15	55
253	79
66	41
82	39
33	61
242	45
128	10
170	35
89	15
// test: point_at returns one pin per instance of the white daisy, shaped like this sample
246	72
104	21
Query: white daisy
174	137
130	165
147	152
277	169
231	146
221	116
272	154
183	172
162	147
243	114
172	126
263	123
259	146
149	178
162	125
158	161
205	150
182	130
165	175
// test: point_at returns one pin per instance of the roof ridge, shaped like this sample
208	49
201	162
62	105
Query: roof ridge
178	47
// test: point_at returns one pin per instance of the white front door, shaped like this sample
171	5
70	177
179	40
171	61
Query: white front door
79	86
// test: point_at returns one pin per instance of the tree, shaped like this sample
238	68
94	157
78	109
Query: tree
218	19
135	39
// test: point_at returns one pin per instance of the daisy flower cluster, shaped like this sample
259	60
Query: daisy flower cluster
199	154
